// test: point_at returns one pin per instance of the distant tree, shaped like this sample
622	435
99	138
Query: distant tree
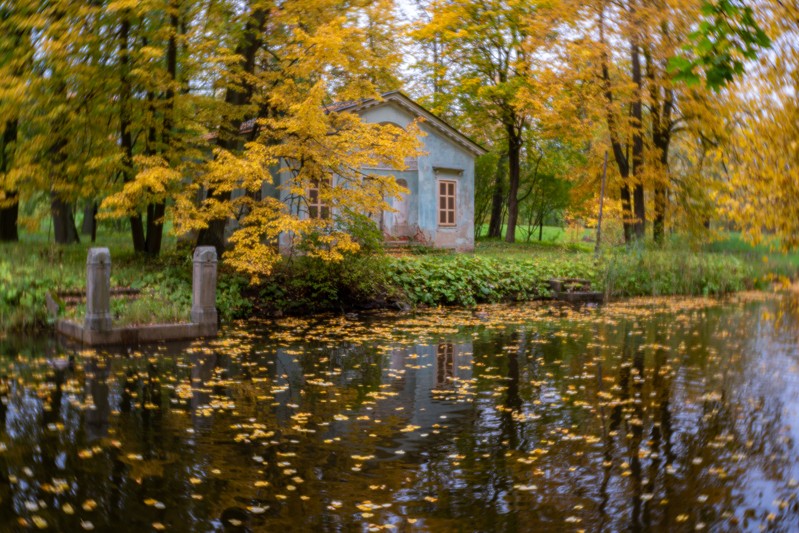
484	61
16	53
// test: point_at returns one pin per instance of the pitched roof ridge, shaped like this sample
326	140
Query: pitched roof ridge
248	126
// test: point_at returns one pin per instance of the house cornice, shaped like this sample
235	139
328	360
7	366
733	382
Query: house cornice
403	101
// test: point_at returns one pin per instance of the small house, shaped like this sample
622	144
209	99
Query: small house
438	209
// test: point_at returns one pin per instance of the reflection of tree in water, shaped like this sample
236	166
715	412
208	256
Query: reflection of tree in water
560	405
683	466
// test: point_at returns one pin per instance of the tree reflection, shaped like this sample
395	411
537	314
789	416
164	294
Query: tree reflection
627	418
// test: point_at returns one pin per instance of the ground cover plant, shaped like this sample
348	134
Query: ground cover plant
30	270
495	272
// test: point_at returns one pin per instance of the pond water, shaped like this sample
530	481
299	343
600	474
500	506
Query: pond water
662	414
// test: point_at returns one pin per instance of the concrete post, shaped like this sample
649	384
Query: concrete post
98	290
203	286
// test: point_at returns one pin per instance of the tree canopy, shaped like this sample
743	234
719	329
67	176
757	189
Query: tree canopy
178	113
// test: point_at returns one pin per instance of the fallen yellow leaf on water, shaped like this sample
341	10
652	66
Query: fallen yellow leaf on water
89	505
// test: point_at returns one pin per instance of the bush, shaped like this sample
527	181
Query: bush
469	280
309	284
655	273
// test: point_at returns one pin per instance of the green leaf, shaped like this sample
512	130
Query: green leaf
679	64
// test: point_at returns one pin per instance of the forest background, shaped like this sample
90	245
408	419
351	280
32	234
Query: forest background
124	116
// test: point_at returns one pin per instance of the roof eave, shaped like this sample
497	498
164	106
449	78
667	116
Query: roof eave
403	100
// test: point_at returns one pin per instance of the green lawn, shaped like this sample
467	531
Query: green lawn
496	271
551	234
765	257
33	267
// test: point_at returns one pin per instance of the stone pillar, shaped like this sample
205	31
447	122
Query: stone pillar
203	286
98	290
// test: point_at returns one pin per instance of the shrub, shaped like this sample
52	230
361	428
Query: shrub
640	272
468	280
304	284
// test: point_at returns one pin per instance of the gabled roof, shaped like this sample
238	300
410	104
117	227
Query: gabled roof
403	101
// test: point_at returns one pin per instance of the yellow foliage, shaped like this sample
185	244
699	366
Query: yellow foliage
331	56
760	158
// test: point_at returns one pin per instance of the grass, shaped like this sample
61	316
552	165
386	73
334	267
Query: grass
764	258
551	235
30	269
496	271
33	267
499	249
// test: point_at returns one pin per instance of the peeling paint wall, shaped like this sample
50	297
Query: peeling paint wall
443	159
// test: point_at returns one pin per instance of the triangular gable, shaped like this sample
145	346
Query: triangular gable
416	110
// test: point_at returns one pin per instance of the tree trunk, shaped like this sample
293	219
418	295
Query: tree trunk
214	234
662	142
661	108
497	201
514	172
126	139
155	228
639	207
89	226
615	141
8	222
627	214
659	223
155	212
10	213
64	228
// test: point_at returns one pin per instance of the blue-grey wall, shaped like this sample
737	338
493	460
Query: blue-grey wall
443	159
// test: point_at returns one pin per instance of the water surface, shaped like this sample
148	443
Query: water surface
666	414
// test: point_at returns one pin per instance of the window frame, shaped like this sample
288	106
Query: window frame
447	210
317	209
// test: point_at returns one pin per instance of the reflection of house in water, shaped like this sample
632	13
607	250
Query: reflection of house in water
429	371
445	365
422	385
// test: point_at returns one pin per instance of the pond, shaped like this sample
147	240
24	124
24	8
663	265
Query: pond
656	414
